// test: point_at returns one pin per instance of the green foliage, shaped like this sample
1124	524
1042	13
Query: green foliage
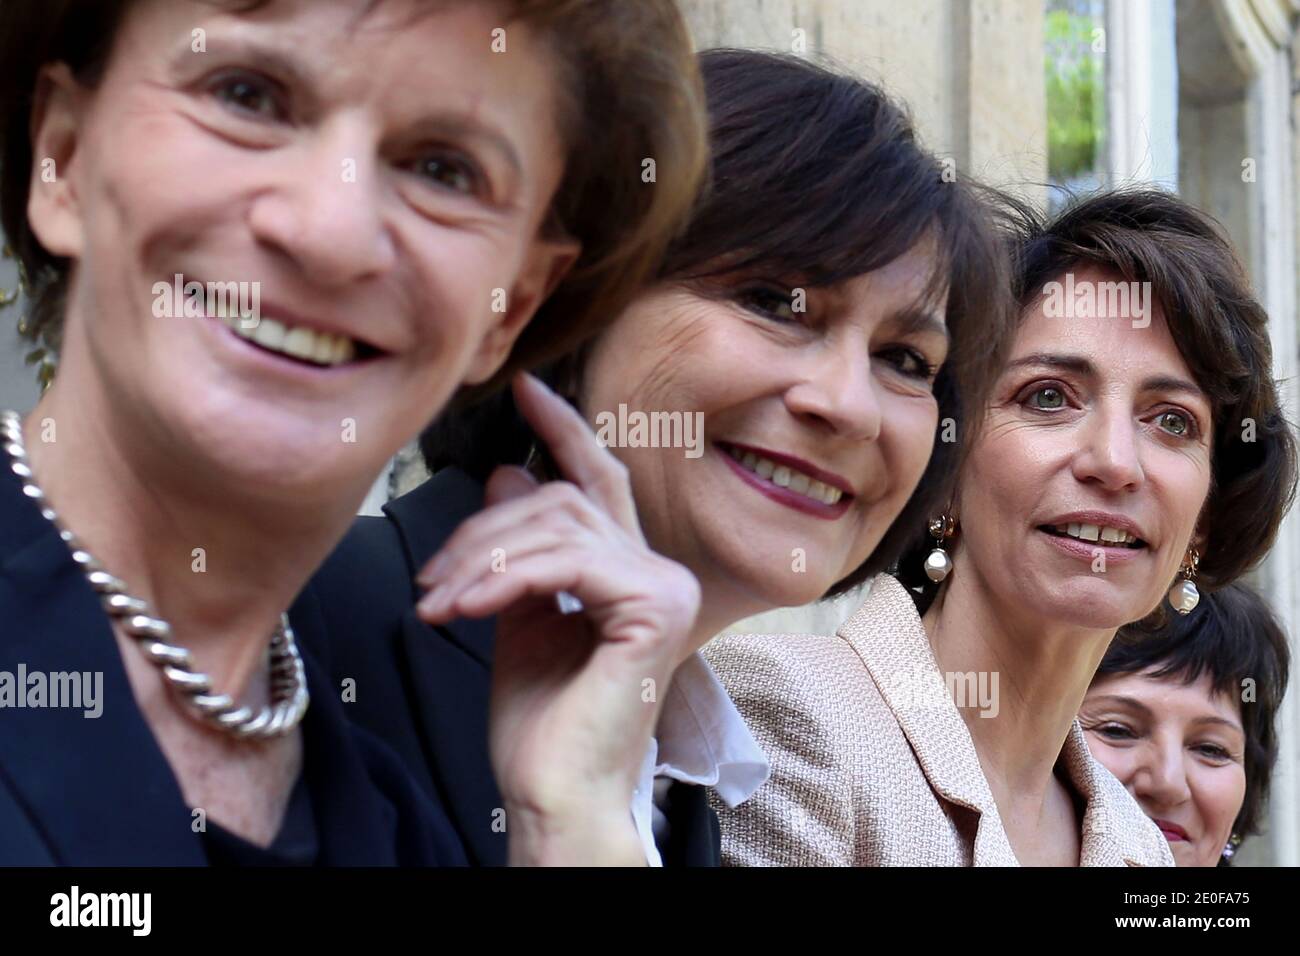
1075	105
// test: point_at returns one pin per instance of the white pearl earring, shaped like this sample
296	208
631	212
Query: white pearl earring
937	563
1184	596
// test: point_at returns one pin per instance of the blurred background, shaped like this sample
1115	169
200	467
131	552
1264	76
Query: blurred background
1044	97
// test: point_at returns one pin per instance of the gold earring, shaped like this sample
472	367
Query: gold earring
938	564
1184	596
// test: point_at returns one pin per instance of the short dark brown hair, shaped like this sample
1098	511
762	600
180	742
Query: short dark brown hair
630	92
1232	636
1221	331
816	177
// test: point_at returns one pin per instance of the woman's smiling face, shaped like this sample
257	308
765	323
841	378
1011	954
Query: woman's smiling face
377	170
815	424
1083	490
1179	748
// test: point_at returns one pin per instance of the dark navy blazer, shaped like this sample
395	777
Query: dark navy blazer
99	792
424	690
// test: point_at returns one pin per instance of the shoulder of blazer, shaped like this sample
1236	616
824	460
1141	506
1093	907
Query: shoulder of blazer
799	695
425	518
367	584
75	787
771	677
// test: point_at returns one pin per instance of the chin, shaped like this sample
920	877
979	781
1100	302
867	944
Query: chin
1088	601
268	450
1185	855
785	588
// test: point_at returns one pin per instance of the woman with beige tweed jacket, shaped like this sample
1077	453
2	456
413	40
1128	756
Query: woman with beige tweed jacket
938	727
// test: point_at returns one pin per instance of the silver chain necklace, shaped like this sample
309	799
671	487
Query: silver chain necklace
289	697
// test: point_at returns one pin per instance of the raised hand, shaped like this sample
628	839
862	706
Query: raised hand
574	696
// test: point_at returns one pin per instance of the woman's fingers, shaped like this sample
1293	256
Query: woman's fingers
480	559
538	574
576	452
627	600
491	530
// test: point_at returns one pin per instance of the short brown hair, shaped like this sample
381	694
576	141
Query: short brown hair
815	176
1221	331
631	93
1231	637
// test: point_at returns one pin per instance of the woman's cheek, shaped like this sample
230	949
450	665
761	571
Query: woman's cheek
911	430
1231	789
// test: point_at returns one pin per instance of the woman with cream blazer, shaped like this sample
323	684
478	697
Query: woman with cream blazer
872	764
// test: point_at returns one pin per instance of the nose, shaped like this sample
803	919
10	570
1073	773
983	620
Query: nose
325	214
1108	452
1160	780
837	390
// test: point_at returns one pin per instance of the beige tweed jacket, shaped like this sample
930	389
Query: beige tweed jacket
873	765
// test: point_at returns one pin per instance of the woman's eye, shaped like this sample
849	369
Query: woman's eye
1176	423
1047	398
248	94
769	303
910	362
452	173
1115	732
1213	751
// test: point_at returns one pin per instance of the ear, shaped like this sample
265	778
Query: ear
548	261
52	208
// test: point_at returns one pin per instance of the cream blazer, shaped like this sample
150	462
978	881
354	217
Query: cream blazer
869	771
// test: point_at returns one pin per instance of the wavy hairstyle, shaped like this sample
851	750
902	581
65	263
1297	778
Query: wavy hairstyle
1221	331
815	178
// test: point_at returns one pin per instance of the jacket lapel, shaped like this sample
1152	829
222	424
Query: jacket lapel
887	634
1102	842
98	788
452	707
452	667
355	825
425	519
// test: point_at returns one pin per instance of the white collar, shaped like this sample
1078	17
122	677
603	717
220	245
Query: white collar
703	740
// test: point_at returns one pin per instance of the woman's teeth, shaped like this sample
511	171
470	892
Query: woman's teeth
786	477
321	348
1092	532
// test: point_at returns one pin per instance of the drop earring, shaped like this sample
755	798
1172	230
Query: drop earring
937	564
1230	849
1184	596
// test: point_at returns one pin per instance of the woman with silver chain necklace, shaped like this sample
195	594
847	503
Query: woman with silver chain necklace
340	223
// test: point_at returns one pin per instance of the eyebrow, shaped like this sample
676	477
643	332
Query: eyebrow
1132	702
269	57
1081	365
1231	724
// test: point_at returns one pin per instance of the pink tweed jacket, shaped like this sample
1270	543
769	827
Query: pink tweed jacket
873	765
